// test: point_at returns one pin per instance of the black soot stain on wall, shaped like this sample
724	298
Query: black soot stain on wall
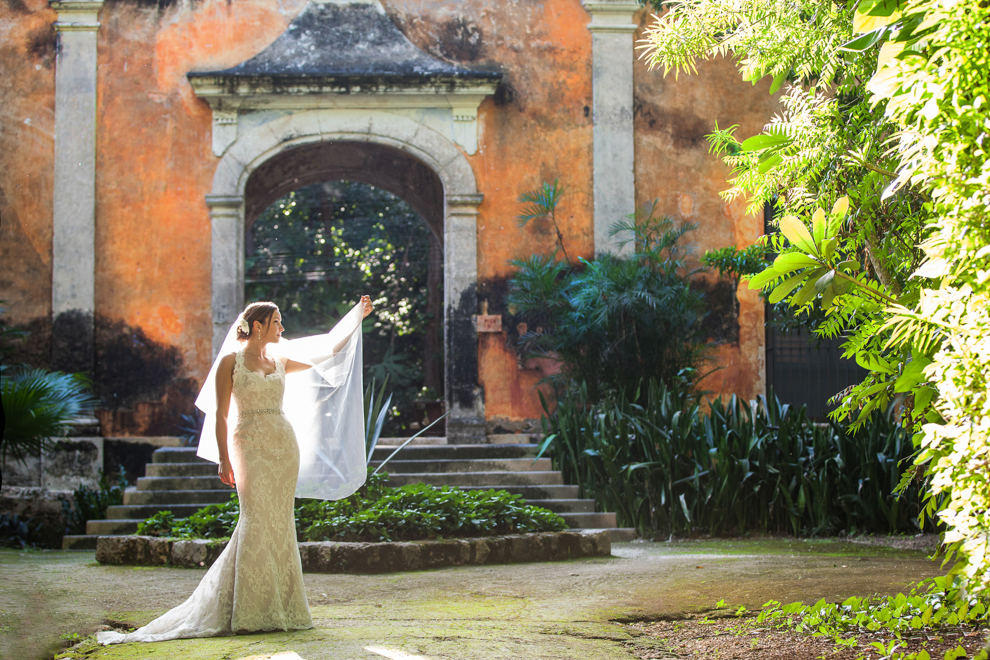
460	40
463	376
130	366
721	323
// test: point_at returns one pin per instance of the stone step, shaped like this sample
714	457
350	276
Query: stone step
618	534
178	455
531	492
79	542
565	506
392	467
496	480
589	520
421	440
409	452
143	511
396	466
163	498
112	527
181	483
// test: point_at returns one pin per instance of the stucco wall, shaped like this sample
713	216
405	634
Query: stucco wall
155	164
27	128
672	117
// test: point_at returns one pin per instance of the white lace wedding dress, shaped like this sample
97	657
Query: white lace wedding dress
256	584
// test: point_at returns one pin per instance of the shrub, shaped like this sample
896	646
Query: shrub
665	467
614	321
16	532
91	504
379	513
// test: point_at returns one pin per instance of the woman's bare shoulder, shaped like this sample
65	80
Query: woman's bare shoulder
227	363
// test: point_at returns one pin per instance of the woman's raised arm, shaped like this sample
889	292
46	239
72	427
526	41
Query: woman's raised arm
291	366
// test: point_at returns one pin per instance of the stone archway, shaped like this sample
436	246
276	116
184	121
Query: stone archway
270	143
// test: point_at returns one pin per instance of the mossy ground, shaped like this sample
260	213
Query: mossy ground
551	610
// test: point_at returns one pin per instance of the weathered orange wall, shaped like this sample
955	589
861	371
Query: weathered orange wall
673	165
27	129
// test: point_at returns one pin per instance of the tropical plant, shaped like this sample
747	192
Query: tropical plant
91	504
666	468
542	205
614	321
39	405
16	532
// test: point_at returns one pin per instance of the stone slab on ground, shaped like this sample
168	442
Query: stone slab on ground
334	557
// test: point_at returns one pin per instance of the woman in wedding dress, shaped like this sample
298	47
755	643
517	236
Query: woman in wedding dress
256	584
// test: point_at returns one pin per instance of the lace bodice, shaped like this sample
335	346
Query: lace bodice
256	392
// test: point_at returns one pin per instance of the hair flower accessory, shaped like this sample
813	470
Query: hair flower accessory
244	327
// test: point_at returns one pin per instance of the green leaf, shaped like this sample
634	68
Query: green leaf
764	141
778	81
781	290
865	41
850	265
818	225
824	281
808	291
790	261
760	279
828	247
799	236
828	297
769	162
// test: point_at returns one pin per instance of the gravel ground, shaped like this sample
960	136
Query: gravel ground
699	637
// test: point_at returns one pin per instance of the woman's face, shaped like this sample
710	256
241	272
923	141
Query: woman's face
271	333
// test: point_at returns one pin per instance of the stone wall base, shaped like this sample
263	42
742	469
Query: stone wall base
330	557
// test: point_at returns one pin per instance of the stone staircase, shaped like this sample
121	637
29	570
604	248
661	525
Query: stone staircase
179	481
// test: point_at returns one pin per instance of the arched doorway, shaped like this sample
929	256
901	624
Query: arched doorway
380	148
328	221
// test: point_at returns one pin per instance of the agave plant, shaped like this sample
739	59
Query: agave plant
39	405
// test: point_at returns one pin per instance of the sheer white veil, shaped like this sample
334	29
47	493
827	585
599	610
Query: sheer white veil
325	406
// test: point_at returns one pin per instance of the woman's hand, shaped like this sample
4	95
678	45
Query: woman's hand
368	307
226	473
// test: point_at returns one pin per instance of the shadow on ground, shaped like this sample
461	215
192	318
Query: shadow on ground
53	599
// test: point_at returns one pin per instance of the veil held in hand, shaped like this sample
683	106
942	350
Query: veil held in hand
325	406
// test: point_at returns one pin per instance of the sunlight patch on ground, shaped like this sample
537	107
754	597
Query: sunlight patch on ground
394	655
281	655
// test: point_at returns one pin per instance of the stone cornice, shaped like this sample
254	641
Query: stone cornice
77	15
297	92
615	16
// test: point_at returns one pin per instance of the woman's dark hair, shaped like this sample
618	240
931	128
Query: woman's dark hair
258	311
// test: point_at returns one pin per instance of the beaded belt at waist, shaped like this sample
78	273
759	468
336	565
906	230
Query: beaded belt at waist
263	411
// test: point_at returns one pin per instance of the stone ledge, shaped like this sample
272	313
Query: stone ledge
332	557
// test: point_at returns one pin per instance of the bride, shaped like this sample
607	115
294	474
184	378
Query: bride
256	583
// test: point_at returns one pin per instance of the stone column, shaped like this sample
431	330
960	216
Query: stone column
227	250
74	202
612	31
464	395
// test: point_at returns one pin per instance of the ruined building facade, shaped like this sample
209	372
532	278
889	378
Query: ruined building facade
139	139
